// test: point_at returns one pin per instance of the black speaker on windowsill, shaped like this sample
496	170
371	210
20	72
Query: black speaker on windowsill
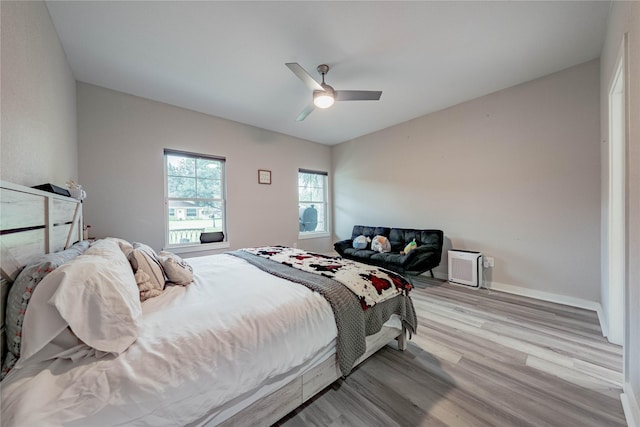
52	189
212	237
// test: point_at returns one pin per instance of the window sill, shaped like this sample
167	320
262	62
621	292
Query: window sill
318	235
200	247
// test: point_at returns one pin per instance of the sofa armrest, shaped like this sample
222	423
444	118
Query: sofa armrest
421	259
342	245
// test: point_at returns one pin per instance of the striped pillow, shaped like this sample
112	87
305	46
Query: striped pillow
147	270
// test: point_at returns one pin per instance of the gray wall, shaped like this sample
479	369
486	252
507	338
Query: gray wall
38	104
625	18
121	140
514	174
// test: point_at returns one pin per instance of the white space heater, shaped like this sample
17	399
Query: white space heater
465	267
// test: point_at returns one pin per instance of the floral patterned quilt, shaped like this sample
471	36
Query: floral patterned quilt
372	285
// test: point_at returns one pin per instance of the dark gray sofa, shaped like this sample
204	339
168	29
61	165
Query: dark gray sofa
424	258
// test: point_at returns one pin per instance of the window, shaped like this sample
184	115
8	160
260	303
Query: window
194	196
312	202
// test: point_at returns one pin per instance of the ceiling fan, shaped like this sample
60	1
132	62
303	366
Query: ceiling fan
323	94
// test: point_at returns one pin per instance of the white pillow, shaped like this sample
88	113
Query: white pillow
125	246
95	295
108	246
178	271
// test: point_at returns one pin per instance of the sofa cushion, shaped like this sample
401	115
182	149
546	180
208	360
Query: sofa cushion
394	258
400	237
431	238
359	253
363	230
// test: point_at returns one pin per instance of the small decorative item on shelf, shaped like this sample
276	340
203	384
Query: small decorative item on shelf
76	191
85	232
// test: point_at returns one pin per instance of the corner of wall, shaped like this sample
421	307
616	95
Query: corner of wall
630	406
604	325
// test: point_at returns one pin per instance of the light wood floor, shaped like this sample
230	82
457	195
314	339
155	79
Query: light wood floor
481	358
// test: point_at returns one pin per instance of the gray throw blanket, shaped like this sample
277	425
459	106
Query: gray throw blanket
352	322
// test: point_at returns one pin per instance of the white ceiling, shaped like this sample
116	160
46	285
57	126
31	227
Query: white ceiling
227	58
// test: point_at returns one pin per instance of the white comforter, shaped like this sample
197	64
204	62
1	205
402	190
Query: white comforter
199	347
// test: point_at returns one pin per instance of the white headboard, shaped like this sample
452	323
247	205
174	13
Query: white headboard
32	223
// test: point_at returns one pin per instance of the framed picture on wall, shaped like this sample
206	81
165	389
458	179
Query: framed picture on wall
264	176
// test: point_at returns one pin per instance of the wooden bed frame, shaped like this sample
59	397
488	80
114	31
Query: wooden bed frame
34	222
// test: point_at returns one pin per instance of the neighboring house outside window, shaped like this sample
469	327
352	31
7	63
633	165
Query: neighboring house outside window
194	196
313	199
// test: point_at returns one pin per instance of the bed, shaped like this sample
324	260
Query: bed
240	345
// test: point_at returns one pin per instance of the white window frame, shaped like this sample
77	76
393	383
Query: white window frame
327	216
195	246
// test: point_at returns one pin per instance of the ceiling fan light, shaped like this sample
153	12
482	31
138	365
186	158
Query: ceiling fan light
323	99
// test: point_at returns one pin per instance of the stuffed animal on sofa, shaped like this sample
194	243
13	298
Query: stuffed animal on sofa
412	245
380	244
361	242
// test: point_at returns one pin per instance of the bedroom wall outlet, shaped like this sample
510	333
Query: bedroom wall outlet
487	261
295	244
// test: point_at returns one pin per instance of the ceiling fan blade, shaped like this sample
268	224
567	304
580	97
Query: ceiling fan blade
304	76
358	95
304	113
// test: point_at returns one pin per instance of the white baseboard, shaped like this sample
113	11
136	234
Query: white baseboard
559	299
544	296
533	293
630	406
